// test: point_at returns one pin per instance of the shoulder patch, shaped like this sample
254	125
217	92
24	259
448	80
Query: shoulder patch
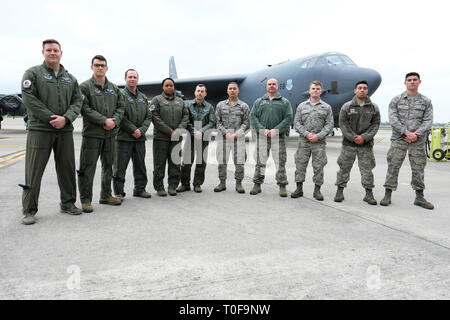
152	107
83	97
26	84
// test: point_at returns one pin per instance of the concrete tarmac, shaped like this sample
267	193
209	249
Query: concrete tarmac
227	245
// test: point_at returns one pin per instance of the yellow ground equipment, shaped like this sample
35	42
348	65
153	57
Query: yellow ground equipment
438	147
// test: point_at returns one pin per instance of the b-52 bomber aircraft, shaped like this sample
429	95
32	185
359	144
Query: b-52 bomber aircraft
337	72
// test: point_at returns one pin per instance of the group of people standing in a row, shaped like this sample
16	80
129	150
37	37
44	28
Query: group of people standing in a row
115	123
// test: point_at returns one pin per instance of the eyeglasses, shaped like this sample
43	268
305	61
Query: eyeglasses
98	65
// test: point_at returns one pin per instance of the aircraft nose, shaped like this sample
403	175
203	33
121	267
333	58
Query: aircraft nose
373	78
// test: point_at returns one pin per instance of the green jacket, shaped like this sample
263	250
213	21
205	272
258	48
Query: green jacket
137	116
168	114
203	113
45	95
359	120
272	114
99	104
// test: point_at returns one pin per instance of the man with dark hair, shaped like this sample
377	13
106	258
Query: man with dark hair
233	122
411	118
131	138
52	98
313	121
201	119
271	117
359	120
102	111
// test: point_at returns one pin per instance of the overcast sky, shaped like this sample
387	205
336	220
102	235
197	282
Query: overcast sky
236	36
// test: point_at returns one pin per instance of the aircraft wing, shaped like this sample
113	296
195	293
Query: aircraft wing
216	87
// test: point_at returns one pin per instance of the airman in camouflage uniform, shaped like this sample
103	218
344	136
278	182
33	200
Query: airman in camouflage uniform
411	118
359	120
233	123
313	121
271	117
170	115
201	119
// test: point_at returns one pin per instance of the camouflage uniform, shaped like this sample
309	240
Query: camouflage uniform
315	118
363	121
232	117
413	114
270	114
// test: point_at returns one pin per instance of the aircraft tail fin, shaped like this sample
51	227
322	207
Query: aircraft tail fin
172	68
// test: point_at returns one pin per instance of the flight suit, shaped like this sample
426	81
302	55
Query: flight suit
234	118
312	118
99	103
364	121
137	115
202	115
413	114
270	114
45	94
168	113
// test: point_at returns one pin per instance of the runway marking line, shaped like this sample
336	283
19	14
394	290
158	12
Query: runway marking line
9	159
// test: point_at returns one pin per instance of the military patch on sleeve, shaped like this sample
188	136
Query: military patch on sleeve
152	107
26	84
83	97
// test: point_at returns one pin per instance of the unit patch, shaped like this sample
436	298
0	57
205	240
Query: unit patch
152	107
48	76
26	84
130	99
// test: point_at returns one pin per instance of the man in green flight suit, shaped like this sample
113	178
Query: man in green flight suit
102	111
53	101
131	138
201	119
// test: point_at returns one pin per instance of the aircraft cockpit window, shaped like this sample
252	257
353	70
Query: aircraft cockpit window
334	60
308	63
347	60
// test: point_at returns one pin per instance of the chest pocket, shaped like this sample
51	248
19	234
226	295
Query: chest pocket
305	115
418	110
